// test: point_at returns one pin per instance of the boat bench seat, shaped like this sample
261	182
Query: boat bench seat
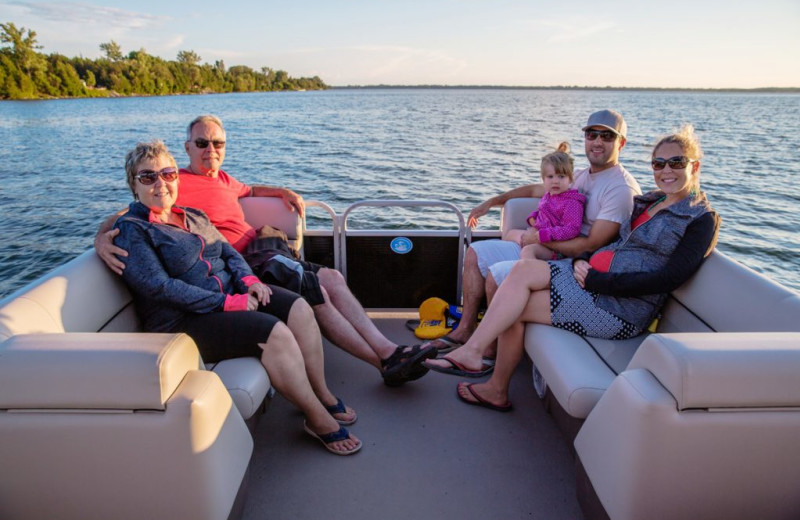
697	420
76	372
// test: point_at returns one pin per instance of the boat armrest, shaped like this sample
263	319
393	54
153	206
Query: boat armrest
724	370
515	213
126	371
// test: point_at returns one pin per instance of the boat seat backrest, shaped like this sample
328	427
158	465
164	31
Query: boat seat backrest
726	296
272	211
79	296
514	214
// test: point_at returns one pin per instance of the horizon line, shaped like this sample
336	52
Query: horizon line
572	87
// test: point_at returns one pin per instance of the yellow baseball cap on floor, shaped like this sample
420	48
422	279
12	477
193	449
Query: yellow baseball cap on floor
432	319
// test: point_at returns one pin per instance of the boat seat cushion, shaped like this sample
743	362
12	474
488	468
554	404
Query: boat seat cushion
745	370
577	370
246	381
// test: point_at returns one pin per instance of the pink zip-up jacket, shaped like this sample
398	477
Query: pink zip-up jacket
559	217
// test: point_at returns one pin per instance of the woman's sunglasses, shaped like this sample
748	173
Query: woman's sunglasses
203	143
148	177
678	162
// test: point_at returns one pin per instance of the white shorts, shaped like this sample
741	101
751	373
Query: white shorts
490	252
500	270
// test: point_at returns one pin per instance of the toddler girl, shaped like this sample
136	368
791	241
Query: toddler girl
560	212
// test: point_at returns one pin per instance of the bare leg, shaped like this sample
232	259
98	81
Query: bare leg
351	310
509	354
491	289
524	295
287	372
472	294
510	348
537	251
341	332
304	328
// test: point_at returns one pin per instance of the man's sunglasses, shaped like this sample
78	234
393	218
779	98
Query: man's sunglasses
148	177
678	162
203	143
606	135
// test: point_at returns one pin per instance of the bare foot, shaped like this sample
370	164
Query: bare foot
464	357
342	413
484	395
345	446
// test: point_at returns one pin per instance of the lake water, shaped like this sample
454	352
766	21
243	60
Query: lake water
61	161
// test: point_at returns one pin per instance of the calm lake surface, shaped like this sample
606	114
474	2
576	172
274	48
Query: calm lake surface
61	161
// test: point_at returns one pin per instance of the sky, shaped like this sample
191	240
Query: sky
616	43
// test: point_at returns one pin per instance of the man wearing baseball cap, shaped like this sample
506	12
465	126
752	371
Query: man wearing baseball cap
609	190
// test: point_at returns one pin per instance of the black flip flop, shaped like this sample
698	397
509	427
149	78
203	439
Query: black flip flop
457	369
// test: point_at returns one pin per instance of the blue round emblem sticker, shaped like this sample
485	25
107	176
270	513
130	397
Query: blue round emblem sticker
401	245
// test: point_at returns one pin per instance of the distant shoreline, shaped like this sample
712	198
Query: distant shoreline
762	90
115	95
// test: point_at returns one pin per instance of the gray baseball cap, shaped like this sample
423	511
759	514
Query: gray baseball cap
608	119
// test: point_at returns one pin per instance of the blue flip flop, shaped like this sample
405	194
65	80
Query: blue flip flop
327	438
339	407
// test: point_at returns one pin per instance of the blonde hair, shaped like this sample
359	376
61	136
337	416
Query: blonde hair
144	151
561	161
690	146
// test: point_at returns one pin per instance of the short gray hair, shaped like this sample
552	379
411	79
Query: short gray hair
206	118
143	152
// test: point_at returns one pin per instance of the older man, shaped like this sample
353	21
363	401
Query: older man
341	317
609	190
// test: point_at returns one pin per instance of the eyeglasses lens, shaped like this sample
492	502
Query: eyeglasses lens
676	163
606	135
148	177
203	143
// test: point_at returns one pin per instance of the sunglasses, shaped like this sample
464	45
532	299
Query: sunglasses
148	177
606	135
203	143
678	162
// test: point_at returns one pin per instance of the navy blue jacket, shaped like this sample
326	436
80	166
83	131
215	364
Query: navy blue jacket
172	272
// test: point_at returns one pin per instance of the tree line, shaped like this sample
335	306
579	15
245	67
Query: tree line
26	73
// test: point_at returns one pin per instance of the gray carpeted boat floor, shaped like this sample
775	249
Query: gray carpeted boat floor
426	455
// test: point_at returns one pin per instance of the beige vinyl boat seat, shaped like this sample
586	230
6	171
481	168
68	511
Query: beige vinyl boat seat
699	426
124	426
79	382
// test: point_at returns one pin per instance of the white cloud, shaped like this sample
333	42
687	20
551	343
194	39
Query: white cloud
86	14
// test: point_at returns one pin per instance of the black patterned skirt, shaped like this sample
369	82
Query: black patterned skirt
574	309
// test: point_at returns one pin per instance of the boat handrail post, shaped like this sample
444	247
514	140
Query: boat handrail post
336	229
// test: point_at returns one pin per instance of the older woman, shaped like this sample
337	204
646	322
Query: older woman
617	292
185	277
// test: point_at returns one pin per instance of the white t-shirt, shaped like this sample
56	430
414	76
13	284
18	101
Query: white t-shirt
609	195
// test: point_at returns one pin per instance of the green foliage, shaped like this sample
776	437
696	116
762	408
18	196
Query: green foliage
28	74
188	57
112	50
